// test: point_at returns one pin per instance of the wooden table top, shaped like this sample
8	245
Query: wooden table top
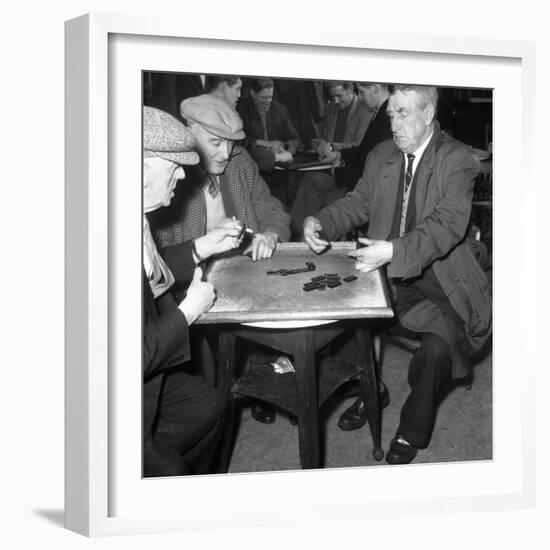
245	293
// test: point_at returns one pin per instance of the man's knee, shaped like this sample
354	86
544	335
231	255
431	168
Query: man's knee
218	402
435	347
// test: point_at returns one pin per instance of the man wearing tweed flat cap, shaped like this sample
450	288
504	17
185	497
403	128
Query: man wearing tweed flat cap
182	416
225	185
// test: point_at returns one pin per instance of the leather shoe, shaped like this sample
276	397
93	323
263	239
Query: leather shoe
355	416
263	413
401	451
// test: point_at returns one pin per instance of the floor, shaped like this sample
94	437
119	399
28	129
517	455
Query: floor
463	428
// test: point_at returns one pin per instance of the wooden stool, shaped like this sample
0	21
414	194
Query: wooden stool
310	387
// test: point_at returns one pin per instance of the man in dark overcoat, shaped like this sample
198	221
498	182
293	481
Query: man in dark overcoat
416	195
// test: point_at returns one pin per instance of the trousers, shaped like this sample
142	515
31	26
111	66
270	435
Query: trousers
316	190
429	378
187	429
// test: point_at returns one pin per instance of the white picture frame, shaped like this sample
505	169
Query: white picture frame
104	54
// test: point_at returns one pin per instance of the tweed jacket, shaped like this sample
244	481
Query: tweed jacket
245	195
444	188
356	124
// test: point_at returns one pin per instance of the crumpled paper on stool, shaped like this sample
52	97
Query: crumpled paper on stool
282	365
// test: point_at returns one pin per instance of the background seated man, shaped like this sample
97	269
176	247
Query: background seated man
321	188
270	134
416	195
182	416
346	120
226	183
226	87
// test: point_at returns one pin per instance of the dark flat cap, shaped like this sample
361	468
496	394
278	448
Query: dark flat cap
214	115
166	137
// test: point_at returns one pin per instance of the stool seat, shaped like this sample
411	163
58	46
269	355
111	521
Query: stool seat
263	383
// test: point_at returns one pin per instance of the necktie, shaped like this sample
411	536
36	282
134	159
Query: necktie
408	180
409	173
213	186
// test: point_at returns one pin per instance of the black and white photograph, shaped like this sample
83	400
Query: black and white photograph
317	273
275	275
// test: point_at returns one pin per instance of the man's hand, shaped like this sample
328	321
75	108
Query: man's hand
292	146
322	148
332	157
220	239
284	156
199	298
312	228
374	255
274	145
263	245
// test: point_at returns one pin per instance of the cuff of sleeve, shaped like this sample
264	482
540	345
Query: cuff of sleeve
325	224
398	267
196	256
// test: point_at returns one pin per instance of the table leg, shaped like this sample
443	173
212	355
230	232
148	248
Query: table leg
306	398
225	377
227	360
369	389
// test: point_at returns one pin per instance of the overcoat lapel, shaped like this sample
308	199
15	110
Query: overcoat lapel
390	177
423	176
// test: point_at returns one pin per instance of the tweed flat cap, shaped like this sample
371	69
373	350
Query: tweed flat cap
214	115
166	137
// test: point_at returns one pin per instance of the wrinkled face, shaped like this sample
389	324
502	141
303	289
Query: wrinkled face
367	94
262	99
213	150
160	177
341	97
232	94
410	124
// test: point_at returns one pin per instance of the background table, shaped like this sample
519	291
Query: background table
247	295
302	162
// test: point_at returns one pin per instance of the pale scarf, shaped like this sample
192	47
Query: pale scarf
158	273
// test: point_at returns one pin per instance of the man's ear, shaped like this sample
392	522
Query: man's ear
146	179
429	113
192	127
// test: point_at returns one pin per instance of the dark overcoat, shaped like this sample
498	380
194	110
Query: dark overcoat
443	199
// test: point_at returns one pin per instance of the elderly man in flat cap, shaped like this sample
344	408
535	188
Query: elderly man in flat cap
225	184
182	416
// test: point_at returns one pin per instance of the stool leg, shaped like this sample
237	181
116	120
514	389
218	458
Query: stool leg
369	389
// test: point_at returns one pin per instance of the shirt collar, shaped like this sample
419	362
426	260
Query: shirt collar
419	152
